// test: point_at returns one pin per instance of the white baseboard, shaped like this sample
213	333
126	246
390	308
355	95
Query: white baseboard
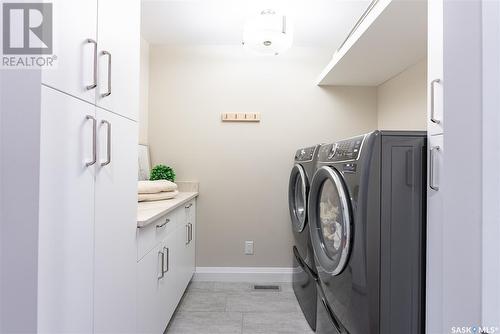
243	274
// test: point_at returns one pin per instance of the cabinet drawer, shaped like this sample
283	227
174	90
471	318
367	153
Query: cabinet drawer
151	235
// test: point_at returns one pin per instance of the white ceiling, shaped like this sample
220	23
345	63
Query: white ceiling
317	23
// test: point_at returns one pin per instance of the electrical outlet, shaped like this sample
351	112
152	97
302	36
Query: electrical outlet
249	247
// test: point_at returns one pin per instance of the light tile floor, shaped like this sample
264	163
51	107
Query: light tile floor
227	308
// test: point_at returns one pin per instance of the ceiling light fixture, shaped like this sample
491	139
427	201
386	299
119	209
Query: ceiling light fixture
268	33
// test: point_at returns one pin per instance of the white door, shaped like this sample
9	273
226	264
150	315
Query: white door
75	37
150	277
170	294
191	219
119	49
66	227
435	117
115	224
183	257
435	214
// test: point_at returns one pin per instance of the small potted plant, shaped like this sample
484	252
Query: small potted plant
162	172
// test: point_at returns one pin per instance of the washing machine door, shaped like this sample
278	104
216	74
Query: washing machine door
297	197
330	220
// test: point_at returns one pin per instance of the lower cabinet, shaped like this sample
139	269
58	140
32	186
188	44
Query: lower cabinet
164	272
87	218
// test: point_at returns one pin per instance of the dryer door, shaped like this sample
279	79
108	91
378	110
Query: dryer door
330	220
297	197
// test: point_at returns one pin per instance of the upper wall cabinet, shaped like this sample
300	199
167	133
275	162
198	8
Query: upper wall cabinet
119	48
94	41
75	45
435	68
388	38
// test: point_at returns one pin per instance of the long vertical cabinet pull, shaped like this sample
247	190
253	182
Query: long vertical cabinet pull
432	183
108	144
187	234
94	141
190	232
106	53
166	251
433	115
162	272
94	70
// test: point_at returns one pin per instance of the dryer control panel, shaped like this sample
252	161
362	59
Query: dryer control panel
305	154
345	150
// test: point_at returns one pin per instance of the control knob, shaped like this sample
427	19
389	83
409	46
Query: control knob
333	151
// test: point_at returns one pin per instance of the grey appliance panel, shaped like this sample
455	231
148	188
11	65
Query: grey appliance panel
402	238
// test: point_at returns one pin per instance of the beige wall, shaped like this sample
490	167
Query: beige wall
243	169
144	93
402	101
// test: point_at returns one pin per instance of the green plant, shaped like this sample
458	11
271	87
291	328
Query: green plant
162	172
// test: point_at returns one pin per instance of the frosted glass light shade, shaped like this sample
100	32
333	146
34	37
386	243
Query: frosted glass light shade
268	33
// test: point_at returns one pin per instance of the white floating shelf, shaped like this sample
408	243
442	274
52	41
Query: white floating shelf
392	37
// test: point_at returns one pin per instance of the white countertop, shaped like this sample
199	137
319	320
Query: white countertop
147	212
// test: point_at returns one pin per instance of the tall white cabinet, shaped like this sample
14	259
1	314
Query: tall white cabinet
66	216
88	170
455	157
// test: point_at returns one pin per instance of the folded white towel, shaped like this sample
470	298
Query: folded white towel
158	196
153	187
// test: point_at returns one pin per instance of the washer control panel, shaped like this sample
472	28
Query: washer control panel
344	150
305	154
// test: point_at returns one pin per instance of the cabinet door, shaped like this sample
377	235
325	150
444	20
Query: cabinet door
186	237
435	111
75	23
119	55
66	227
191	247
115	224
170	294
150	281
435	217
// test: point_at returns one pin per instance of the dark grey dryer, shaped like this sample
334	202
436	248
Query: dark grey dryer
367	222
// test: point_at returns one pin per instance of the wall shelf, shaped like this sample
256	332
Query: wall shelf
391	37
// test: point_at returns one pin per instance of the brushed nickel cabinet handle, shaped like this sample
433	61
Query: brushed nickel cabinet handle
163	224
190	232
108	93
187	234
108	144
94	141
432	184
94	71
433	116
162	272
166	251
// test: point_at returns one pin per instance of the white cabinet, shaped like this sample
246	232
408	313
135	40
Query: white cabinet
149	282
166	269
75	45
119	48
435	217
115	224
87	222
189	246
455	204
66	224
435	111
97	44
